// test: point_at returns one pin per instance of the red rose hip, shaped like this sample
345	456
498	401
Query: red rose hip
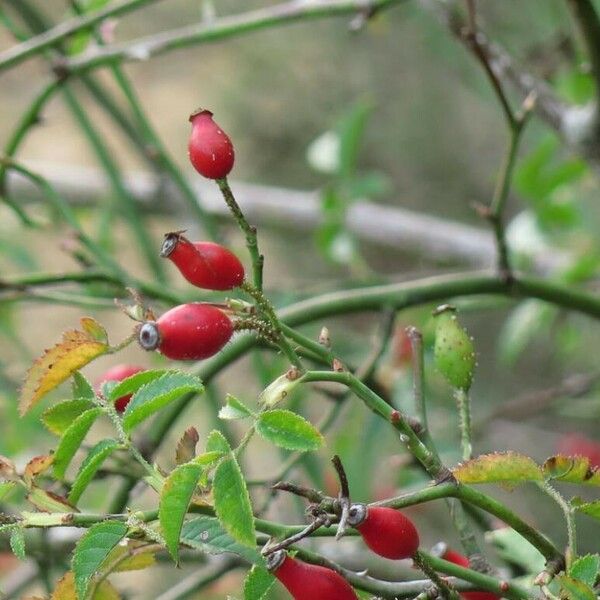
210	149
187	332
385	530
309	582
118	373
204	264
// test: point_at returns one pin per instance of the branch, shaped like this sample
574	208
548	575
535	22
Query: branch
52	37
548	107
218	29
588	22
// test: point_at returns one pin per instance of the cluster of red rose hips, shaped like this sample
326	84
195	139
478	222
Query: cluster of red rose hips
196	331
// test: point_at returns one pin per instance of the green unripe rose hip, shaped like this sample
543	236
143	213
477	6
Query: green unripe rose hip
454	352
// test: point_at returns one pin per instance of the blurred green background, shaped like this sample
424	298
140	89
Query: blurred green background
429	137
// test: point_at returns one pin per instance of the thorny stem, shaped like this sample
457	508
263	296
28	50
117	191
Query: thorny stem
421	561
266	309
569	514
249	231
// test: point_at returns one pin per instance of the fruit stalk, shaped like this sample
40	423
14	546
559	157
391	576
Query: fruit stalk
248	230
463	403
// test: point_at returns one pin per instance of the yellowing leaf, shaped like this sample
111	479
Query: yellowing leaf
36	466
572	469
46	501
75	350
507	468
65	590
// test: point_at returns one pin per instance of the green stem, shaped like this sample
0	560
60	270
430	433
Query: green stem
569	514
423	563
250	232
126	203
463	403
30	118
57	34
379	406
216	29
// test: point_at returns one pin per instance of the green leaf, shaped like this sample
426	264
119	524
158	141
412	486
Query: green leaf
6	487
217	442
58	417
72	439
175	498
90	465
592	509
207	458
91	551
351	128
575	590
234	409
232	501
79	41
81	387
288	430
585	569
257	583
17	543
571	469
501	467
208	535
130	385
155	395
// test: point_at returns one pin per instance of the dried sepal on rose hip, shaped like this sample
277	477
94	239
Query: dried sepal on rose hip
309	582
187	332
209	147
385	530
118	373
206	265
453	351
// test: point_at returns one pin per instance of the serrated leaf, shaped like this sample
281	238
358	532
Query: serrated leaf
6	487
65	590
36	466
94	329
208	535
234	409
217	442
155	395
130	385
175	499
72	439
586	569
288	430
81	387
90	465
186	446
207	458
91	551
501	467
571	469
257	583
574	589
17	543
232	501
76	349
58	417
591	509
49	501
